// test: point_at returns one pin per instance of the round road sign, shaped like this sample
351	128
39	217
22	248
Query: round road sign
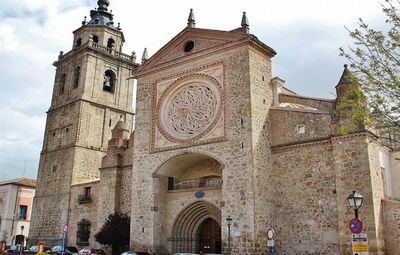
65	228
356	226
270	234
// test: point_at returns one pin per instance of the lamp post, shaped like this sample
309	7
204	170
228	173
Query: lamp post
22	236
355	200
229	222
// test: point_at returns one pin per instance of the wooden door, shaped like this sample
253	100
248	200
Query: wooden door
210	237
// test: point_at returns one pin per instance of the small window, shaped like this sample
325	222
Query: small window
110	43
300	129
189	46
62	83
170	183
78	42
83	232
95	38
87	191
77	75
23	209
54	168
109	81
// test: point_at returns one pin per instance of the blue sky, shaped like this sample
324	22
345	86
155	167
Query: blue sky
306	34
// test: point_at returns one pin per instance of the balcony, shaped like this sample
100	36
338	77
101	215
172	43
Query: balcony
84	199
99	48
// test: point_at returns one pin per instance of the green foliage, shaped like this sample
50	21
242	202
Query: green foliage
375	61
115	231
352	107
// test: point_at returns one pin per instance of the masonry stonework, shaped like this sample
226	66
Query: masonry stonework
214	136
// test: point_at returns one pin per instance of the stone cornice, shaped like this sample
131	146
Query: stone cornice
288	109
85	183
92	102
319	141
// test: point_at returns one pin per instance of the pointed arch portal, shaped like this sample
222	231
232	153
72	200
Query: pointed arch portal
197	228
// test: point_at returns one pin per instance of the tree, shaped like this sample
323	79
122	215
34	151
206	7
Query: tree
115	232
375	62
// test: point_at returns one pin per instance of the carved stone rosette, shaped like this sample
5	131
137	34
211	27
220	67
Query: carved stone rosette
189	109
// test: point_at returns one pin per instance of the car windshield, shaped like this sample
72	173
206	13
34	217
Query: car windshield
56	248
127	253
33	248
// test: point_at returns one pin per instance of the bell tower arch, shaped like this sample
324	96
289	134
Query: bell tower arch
92	91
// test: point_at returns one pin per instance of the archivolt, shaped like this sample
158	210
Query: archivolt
185	231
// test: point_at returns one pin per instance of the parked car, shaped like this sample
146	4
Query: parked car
68	250
135	253
34	249
91	251
12	249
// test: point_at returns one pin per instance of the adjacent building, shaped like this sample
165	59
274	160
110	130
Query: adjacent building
215	136
16	198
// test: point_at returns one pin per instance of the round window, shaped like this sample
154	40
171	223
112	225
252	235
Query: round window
189	46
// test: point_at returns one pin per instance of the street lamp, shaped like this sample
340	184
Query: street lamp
22	237
355	200
229	222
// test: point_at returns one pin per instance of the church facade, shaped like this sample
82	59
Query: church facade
215	136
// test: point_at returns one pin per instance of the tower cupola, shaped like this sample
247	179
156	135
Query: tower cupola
101	15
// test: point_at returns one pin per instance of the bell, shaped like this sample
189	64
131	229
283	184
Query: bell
107	86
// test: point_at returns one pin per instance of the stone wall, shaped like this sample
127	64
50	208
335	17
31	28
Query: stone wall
261	162
391	211
354	171
306	216
286	124
83	210
51	202
378	193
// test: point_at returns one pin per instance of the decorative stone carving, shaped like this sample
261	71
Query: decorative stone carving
189	108
171	122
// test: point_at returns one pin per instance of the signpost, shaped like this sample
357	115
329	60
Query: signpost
270	240
64	231
360	244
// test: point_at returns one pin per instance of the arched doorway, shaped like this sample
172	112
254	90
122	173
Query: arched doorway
210	237
197	229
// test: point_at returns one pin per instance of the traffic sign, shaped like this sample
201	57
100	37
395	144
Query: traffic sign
65	228
356	226
270	234
360	244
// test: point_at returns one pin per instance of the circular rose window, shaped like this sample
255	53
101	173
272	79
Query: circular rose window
189	109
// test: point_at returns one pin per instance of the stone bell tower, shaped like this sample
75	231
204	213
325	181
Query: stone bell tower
92	91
